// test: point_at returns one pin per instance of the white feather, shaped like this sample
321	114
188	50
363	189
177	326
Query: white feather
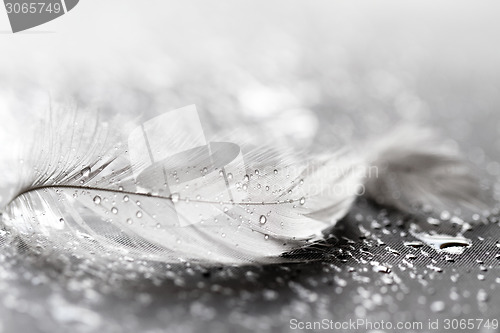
167	194
414	169
176	200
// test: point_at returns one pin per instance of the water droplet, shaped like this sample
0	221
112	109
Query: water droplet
114	210
445	215
266	237
229	176
270	295
175	197
382	269
257	172
437	306
246	178
433	221
138	214
85	172
129	221
444	243
302	201
275	171
138	203
435	268
97	199
263	219
61	220
482	296
125	198
414	244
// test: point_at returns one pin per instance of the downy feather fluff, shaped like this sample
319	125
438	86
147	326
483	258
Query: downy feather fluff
165	194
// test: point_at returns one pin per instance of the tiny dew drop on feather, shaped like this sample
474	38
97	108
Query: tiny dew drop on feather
86	172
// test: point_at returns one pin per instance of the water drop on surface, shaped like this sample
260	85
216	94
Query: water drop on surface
382	269
263	219
437	306
125	198
415	244
433	221
266	237
302	201
445	215
175	197
114	210
138	214
275	171
97	199
482	296
444	243
129	221
435	268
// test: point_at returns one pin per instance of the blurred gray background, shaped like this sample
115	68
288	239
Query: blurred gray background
308	74
348	68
